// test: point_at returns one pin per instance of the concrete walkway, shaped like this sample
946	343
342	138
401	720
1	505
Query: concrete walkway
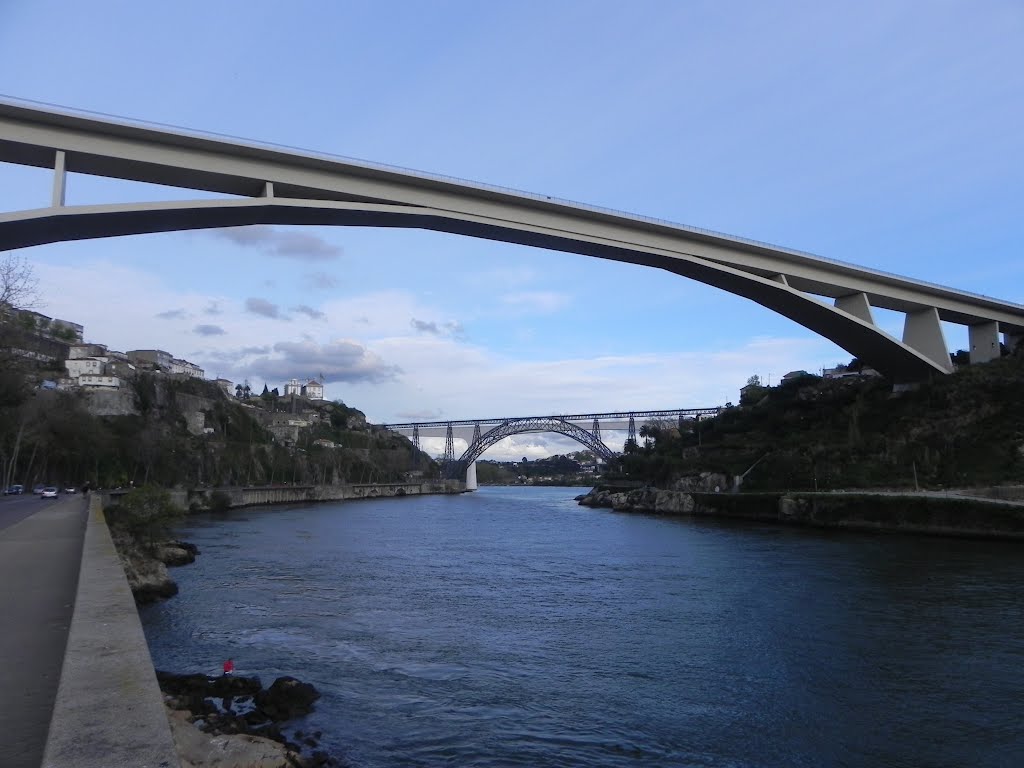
109	712
40	553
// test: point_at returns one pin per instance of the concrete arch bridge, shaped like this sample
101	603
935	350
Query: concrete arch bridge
480	439
275	185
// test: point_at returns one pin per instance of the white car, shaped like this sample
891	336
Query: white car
49	492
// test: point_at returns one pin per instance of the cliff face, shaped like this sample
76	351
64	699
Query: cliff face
171	431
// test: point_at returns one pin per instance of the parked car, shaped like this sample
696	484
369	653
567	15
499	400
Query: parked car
37	489
15	490
49	492
70	489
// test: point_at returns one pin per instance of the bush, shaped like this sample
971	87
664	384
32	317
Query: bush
218	501
147	514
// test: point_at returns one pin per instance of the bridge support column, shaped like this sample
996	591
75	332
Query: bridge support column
59	179
923	332
984	340
471	477
856	304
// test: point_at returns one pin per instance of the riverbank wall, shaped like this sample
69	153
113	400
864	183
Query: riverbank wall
946	514
109	710
249	496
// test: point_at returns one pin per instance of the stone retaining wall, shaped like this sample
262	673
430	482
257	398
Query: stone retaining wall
109	710
296	494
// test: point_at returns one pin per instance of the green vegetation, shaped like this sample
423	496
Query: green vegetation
50	436
965	429
145	514
553	470
170	431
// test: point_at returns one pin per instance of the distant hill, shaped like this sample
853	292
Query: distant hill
961	430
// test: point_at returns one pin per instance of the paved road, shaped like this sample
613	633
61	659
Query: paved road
40	553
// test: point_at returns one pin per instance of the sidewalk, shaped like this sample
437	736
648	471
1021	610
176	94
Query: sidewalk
40	555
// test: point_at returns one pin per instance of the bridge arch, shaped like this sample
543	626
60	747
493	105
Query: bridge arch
860	337
530	424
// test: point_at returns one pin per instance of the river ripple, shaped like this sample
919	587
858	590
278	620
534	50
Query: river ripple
512	627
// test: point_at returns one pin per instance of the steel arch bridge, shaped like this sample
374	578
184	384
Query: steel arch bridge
561	424
536	424
456	468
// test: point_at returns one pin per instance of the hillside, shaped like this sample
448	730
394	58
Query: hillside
961	430
175	431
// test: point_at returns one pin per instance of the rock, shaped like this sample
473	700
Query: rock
175	553
146	575
199	750
287	698
673	503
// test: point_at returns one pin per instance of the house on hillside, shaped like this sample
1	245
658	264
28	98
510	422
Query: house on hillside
151	359
185	368
314	390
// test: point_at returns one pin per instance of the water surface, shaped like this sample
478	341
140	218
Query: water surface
513	627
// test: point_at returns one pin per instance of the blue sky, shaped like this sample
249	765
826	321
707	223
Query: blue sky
887	134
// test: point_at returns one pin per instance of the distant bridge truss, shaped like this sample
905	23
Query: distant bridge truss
500	428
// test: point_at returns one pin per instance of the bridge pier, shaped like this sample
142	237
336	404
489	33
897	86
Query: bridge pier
471	484
984	342
922	331
856	304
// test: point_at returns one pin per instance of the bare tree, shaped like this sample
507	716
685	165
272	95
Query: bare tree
19	288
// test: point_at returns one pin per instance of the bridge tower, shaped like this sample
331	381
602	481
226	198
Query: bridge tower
449	446
416	436
631	437
596	430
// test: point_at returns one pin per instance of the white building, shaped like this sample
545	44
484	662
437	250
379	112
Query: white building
84	366
186	368
314	390
293	388
149	358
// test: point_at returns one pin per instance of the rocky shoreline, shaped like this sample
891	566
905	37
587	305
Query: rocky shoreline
145	564
973	514
227	721
235	721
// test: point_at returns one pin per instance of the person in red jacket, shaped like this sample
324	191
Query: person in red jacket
229	667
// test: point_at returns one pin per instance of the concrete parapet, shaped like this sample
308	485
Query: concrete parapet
109	710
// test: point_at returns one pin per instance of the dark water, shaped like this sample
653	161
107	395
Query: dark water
512	627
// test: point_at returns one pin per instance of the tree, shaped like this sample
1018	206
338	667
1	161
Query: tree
754	381
19	288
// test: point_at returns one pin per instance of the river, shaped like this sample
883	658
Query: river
511	627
